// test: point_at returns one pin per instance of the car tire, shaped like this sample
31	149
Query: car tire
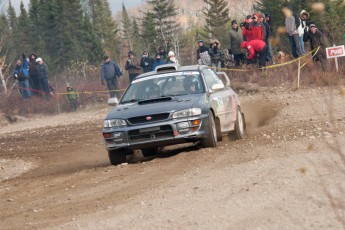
211	139
240	125
150	152
117	156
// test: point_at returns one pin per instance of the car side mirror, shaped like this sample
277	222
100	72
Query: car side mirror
217	87
113	101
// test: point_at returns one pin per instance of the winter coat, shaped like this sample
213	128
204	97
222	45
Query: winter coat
42	71
110	70
32	65
316	40
157	63
254	31
22	71
268	31
305	22
132	66
254	47
216	54
290	25
235	39
146	63
72	94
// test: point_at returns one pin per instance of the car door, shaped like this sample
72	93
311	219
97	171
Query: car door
220	99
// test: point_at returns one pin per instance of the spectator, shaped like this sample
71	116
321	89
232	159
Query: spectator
255	29
111	72
21	74
235	40
291	29
42	75
72	97
256	48
268	36
305	21
33	80
132	66
158	62
203	55
146	62
216	54
163	53
171	58
316	39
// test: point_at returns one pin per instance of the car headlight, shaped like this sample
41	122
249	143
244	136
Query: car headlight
114	123
187	113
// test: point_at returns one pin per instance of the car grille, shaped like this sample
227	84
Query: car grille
157	133
148	118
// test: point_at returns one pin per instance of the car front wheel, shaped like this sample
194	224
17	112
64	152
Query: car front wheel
211	139
239	125
117	156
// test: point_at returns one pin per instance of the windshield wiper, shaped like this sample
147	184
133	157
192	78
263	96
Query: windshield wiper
129	101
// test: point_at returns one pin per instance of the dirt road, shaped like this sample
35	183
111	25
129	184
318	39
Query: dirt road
286	174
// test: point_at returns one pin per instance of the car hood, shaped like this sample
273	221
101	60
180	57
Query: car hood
155	107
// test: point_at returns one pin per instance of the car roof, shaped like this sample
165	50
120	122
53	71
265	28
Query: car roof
170	68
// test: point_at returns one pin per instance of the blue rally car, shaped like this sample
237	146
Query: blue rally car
173	104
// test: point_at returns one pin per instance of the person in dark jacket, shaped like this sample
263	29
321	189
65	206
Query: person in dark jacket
33	80
202	54
268	36
146	62
256	48
235	40
316	39
42	75
111	72
163	53
216	54
132	66
158	62
21	74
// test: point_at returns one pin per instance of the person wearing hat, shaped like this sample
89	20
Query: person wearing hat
254	28
235	40
72	97
158	61
256	48
132	66
146	62
110	73
216	54
171	58
202	54
42	75
317	39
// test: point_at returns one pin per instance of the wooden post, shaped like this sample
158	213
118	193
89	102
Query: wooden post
298	73
336	63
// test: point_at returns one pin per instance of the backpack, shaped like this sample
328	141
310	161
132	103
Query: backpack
297	20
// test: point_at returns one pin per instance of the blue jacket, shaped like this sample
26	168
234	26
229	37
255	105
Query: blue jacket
157	63
24	69
110	70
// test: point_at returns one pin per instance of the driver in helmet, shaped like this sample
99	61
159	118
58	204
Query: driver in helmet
189	85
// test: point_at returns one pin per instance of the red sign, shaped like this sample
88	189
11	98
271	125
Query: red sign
335	51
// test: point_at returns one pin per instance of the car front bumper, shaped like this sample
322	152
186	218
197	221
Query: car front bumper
169	132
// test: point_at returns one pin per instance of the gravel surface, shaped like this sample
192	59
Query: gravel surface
288	172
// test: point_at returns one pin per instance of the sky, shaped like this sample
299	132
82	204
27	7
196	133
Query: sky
115	5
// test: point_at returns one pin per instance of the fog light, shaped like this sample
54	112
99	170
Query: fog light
107	135
183	127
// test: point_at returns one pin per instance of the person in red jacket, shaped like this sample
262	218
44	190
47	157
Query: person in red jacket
254	28
256	48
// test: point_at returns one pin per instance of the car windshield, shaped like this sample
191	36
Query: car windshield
164	85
